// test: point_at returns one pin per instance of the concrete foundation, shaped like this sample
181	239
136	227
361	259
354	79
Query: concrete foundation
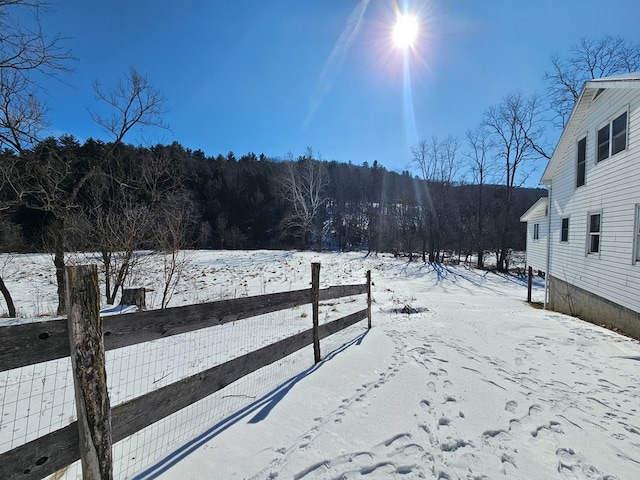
569	299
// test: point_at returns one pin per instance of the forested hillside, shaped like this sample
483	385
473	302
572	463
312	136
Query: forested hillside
104	197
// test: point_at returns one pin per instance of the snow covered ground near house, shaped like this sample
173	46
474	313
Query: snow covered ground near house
473	384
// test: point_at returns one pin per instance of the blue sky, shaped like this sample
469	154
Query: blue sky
276	76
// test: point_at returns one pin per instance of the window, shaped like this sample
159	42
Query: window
536	231
594	233
564	233
637	239
582	158
619	134
612	138
603	143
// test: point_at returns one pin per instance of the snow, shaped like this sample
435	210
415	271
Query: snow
474	384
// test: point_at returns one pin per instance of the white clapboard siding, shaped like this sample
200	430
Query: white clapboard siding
612	189
537	248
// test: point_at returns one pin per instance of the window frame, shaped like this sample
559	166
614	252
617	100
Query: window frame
581	162
564	238
636	235
594	234
624	132
536	231
600	144
610	138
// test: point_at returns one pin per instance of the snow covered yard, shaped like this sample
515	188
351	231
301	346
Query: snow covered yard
473	384
476	385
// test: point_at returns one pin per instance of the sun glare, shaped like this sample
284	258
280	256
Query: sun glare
405	31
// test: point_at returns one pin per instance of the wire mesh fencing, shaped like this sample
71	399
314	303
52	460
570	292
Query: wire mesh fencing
40	399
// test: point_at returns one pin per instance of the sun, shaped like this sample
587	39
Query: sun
405	31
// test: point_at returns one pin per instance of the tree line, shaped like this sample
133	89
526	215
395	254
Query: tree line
66	196
108	196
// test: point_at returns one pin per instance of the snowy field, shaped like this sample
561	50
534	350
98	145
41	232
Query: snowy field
472	384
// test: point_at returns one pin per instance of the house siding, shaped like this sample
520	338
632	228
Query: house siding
537	249
612	188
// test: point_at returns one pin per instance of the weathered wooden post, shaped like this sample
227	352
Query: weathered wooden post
369	297
89	374
529	284
134	296
315	302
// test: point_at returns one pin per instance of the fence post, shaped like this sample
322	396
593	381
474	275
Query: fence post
529	284
315	301
369	297
89	374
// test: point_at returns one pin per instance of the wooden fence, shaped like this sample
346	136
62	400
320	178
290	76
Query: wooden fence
89	336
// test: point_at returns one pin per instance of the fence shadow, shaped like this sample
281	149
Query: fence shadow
261	407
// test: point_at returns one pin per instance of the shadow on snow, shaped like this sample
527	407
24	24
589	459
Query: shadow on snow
261	407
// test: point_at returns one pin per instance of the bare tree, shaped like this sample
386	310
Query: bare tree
515	126
133	102
438	164
589	59
52	176
49	178
303	186
10	238
424	158
176	217
124	208
119	228
482	165
22	115
25	52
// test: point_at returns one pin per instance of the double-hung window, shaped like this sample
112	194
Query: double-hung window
582	162
593	238
612	138
619	134
564	231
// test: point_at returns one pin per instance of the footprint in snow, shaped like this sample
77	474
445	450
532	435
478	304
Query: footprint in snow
552	426
444	422
535	410
511	406
574	464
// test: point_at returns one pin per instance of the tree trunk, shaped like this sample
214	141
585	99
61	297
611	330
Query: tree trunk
136	296
7	298
106	263
502	260
58	261
480	263
479	228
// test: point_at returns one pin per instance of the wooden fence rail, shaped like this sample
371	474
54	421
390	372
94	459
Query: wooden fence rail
45	341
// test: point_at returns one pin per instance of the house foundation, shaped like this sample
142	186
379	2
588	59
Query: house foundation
577	302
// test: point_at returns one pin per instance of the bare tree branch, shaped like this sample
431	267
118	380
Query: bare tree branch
589	59
25	51
134	102
27	47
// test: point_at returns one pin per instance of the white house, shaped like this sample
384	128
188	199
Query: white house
593	179
537	226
